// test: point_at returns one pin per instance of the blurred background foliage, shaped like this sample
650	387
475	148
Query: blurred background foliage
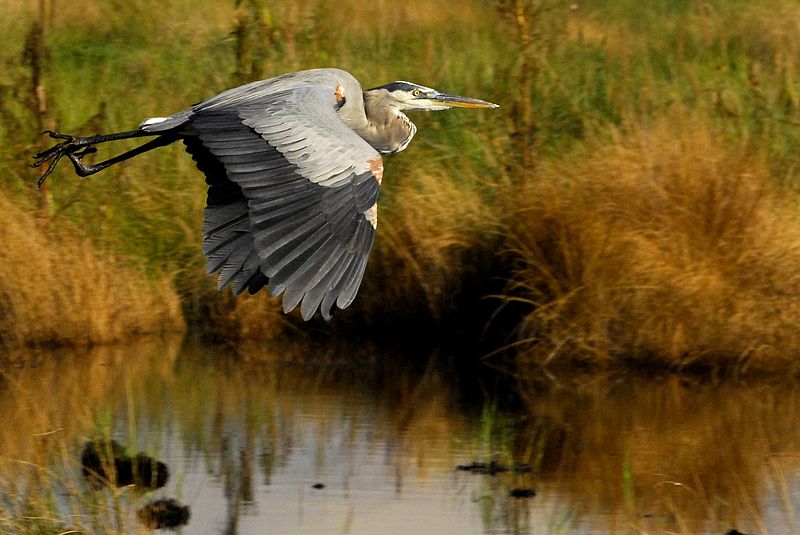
618	118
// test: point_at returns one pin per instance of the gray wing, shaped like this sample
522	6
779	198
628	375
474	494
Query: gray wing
292	194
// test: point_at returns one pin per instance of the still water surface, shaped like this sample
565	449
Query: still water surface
246	438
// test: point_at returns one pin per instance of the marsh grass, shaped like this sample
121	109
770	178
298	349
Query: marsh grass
57	289
694	112
103	75
664	244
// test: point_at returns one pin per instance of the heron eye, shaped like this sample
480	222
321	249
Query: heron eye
416	92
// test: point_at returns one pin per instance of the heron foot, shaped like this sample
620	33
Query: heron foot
75	148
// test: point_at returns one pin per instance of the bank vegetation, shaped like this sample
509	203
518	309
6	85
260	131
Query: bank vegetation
633	200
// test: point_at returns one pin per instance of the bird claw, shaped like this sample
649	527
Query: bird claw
58	135
54	135
71	147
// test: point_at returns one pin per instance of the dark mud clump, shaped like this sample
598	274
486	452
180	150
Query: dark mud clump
107	461
522	493
164	513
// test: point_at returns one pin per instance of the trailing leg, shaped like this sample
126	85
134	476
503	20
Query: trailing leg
75	148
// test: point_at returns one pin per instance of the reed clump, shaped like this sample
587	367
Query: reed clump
56	288
702	232
664	244
432	235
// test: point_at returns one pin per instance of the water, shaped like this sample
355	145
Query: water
246	439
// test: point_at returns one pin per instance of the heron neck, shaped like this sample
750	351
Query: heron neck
387	129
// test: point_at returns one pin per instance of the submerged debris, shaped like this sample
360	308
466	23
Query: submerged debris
144	471
476	467
522	493
164	513
493	468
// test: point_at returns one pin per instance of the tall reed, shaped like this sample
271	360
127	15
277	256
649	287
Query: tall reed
571	79
665	244
55	288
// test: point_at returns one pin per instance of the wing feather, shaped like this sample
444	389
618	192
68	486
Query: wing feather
249	276
363	243
317	288
233	266
308	244
310	271
289	186
226	225
332	290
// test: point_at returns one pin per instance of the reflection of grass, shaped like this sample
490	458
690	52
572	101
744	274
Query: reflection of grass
672	456
496	444
658	455
49	409
245	426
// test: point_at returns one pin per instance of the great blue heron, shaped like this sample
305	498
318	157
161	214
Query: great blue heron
293	166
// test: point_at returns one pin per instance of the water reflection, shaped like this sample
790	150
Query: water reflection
330	440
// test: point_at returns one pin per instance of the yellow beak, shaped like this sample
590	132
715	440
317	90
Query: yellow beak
456	101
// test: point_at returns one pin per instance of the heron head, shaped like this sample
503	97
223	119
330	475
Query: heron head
409	96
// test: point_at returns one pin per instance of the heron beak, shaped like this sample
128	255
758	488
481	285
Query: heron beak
455	101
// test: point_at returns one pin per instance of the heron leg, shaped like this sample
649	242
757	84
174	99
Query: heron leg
75	148
85	170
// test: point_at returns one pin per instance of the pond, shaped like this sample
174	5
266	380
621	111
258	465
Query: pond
322	438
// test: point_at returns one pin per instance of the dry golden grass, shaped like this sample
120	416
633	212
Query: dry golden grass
421	261
256	317
102	16
56	289
665	245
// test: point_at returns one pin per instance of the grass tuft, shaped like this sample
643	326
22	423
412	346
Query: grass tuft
666	244
642	230
56	289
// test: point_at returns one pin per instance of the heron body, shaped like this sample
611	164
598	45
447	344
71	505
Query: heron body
293	166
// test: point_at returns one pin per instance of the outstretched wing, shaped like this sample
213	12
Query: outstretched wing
292	192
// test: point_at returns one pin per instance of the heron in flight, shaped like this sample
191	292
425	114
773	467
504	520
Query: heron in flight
293	166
